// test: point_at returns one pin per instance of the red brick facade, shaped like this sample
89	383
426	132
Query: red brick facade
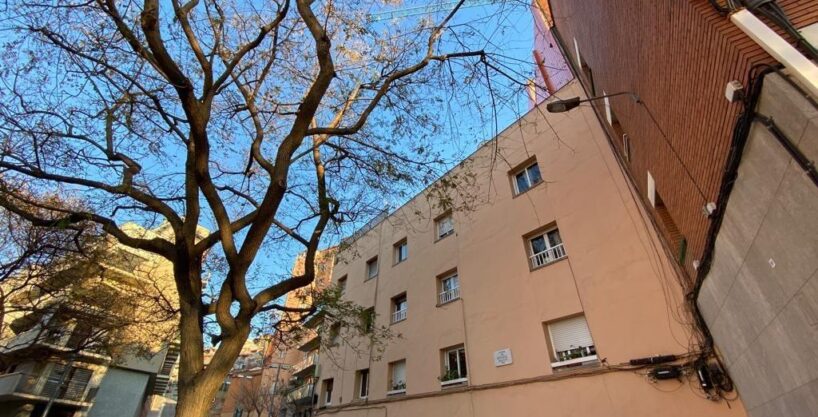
677	56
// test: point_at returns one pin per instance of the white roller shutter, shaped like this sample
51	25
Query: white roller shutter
570	333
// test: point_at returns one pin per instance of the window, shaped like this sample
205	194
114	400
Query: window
328	392
362	383
444	226
571	342
372	268
397	378
526	178
368	319
225	386
454	366
449	288
399	307
342	284
546	248
401	251
335	334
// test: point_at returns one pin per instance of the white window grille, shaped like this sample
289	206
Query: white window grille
449	289
546	248
399	308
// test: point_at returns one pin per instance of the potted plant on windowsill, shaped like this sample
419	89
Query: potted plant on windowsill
451	377
397	388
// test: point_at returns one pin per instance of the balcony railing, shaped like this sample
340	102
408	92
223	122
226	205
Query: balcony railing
305	363
548	256
19	383
450	295
399	315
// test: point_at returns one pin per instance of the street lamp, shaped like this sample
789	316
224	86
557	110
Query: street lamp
561	106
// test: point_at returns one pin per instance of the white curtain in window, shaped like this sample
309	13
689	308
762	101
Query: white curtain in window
398	373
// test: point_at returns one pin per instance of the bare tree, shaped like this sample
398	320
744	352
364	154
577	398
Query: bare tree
79	290
269	122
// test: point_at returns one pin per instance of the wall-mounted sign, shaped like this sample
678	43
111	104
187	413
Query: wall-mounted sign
502	357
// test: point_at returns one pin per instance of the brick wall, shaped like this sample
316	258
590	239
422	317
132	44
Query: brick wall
677	56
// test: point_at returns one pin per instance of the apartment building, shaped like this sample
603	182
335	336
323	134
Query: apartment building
275	374
714	123
542	292
57	355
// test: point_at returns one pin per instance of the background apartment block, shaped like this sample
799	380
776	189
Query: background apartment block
49	367
524	299
275	374
729	178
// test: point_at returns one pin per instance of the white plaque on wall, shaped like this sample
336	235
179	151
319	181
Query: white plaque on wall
502	357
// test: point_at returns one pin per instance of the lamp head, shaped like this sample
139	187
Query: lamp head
561	106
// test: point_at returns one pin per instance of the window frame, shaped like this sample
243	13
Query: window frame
525	168
368	318
463	374
328	387
557	251
342	283
556	362
396	302
440	220
400	251
362	386
441	287
391	390
369	263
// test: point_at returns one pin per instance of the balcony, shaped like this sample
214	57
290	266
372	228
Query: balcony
548	256
19	386
303	395
449	295
399	315
306	366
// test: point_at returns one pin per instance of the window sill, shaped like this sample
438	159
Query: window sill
447	302
396	392
399	262
397	322
439	238
573	362
533	268
370	278
454	382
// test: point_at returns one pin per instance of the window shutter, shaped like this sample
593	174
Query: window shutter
570	333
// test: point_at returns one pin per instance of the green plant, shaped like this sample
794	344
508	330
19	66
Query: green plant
449	375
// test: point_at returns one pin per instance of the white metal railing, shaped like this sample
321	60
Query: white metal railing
399	315
449	295
547	256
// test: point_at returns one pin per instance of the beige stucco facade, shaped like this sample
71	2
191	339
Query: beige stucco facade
615	273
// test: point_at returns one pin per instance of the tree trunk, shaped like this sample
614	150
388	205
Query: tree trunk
198	384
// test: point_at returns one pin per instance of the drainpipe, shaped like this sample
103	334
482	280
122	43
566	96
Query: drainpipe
804	70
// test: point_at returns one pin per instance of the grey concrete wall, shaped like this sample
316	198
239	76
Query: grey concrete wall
120	394
760	298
